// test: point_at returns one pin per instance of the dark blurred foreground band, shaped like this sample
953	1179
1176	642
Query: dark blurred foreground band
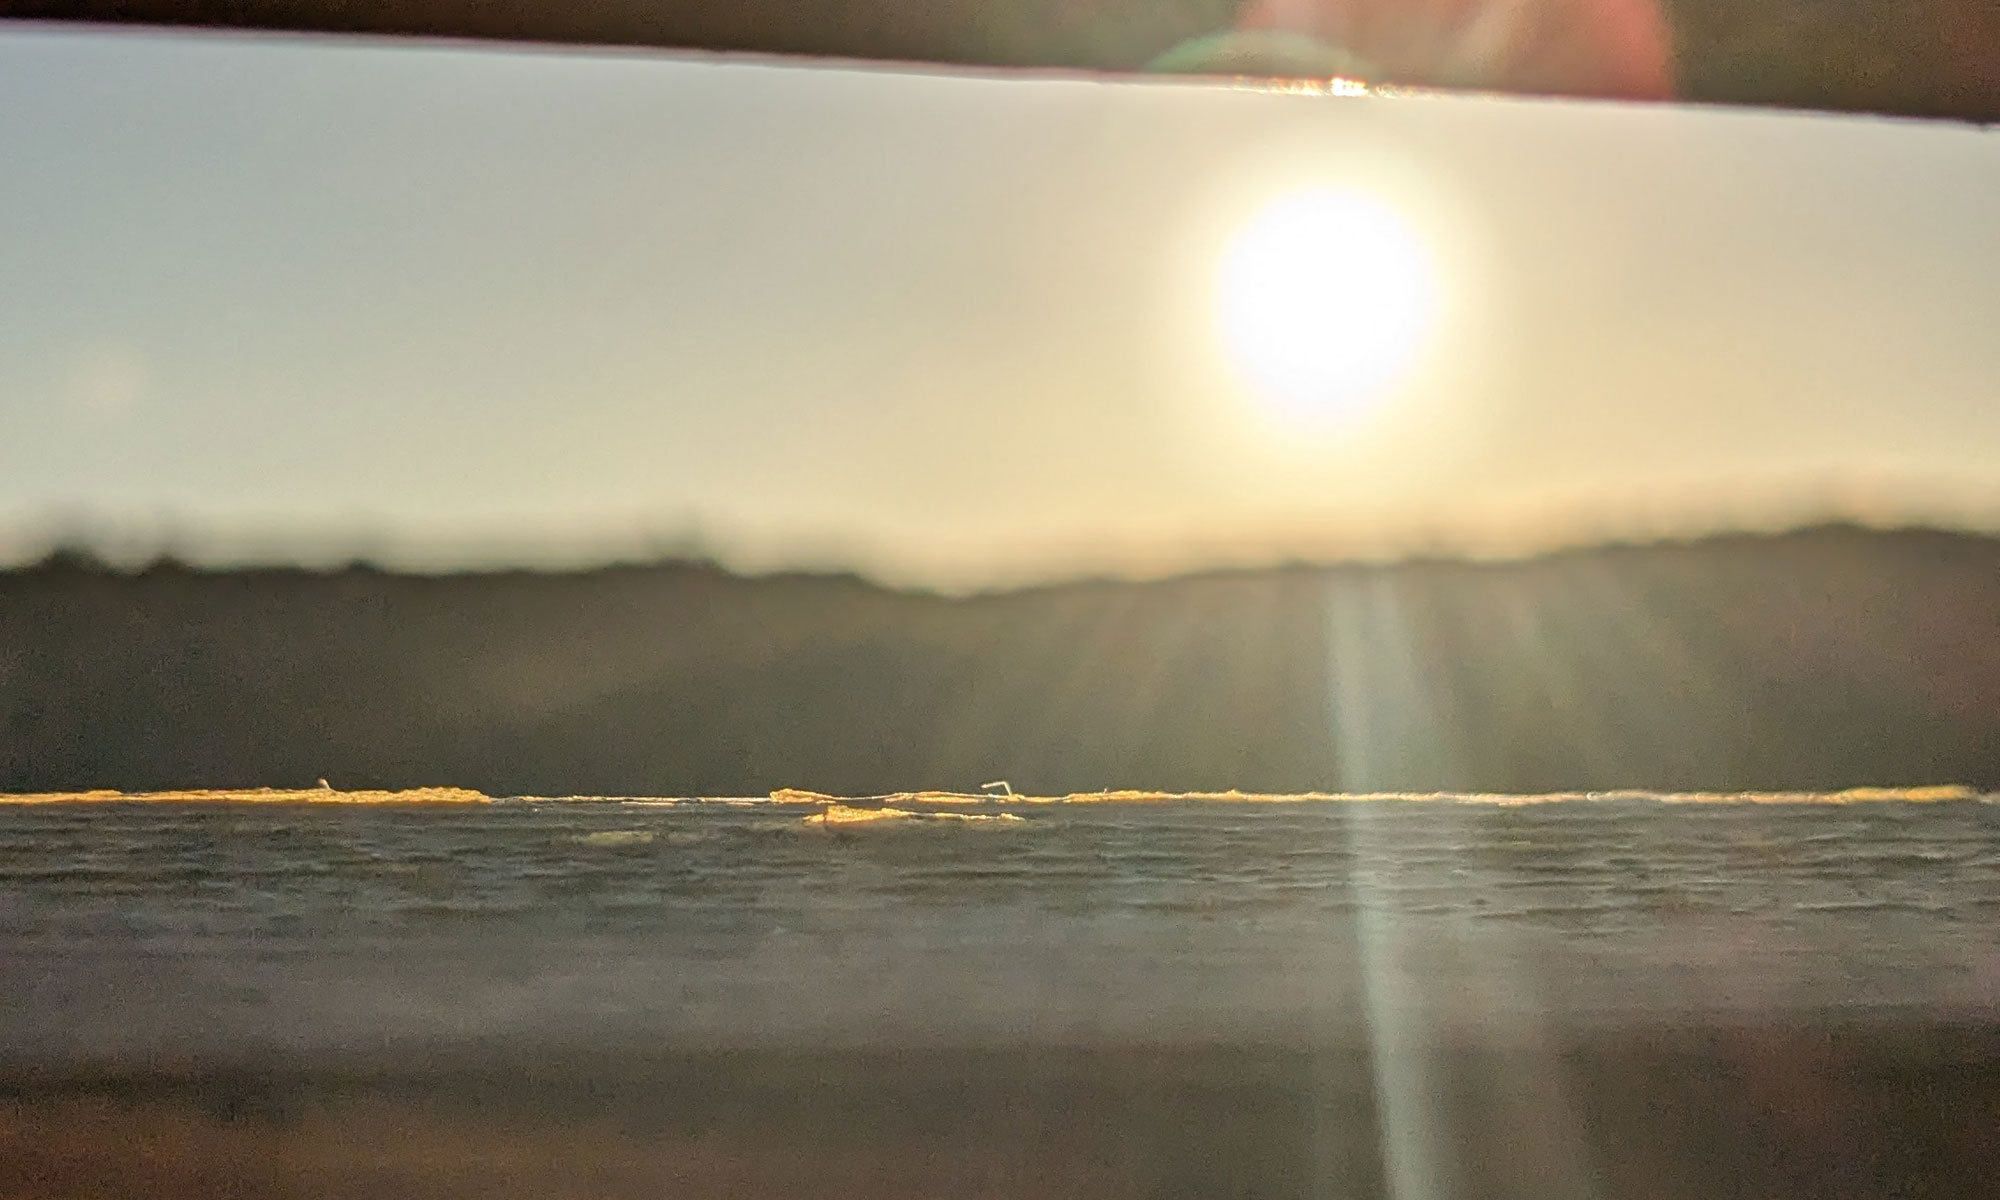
1933	58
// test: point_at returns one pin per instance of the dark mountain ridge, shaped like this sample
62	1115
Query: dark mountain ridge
1822	658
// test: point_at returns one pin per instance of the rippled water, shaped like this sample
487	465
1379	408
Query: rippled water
205	929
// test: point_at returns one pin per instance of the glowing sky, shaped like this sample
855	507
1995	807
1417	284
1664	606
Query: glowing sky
449	305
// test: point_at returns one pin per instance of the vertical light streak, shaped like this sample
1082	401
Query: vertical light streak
1374	702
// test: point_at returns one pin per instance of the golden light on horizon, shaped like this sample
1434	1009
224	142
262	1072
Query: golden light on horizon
1324	300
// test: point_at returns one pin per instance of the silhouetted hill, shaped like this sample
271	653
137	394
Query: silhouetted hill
1816	659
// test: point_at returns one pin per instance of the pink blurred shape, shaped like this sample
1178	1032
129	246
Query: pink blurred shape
1606	48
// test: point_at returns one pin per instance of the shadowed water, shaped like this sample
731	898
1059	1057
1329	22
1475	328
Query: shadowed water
1089	977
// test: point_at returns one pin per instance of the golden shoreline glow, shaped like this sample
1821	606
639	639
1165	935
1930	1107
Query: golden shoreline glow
836	815
846	809
429	795
1930	794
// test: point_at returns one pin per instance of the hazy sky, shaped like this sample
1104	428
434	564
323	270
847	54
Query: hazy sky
445	304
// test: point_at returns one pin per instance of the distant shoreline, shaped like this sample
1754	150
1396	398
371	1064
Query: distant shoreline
427	795
1802	663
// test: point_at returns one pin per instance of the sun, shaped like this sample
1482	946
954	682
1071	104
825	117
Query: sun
1324	300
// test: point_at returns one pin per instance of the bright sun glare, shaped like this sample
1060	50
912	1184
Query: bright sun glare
1324	300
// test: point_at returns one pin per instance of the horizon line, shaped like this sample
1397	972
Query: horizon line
83	555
